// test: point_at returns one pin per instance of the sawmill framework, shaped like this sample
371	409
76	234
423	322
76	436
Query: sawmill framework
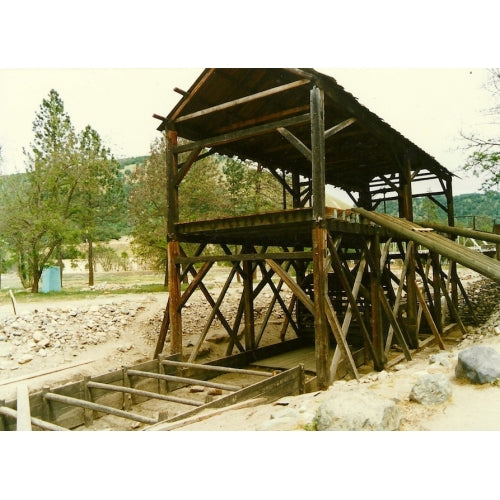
367	280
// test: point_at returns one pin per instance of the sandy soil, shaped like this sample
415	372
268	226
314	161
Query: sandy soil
471	407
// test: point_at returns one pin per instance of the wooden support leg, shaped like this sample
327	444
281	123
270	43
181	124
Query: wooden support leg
248	306
174	292
321	333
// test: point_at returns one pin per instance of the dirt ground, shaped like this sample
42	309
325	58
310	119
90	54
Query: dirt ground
471	407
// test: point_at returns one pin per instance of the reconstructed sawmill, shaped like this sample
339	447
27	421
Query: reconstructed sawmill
309	133
353	286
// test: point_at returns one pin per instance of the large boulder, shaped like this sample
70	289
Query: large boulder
431	389
357	410
479	364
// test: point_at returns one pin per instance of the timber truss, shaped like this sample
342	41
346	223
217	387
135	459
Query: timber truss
357	283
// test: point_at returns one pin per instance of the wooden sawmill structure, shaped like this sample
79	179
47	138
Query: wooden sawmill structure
347	297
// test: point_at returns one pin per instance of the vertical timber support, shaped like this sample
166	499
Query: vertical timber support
173	249
248	302
319	238
451	222
406	211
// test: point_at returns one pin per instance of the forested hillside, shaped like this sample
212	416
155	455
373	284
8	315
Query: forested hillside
479	210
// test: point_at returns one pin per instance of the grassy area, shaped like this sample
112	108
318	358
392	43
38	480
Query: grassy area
75	286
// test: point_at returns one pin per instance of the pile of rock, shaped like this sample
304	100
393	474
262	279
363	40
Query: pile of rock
55	330
484	294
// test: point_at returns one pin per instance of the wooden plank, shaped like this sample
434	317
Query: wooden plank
147	394
290	382
246	257
219	369
429	317
23	408
99	408
321	333
185	380
46	426
318	152
212	413
243	134
184	168
174	289
339	127
243	100
294	287
296	143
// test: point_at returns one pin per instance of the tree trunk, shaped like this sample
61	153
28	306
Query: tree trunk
91	261
60	263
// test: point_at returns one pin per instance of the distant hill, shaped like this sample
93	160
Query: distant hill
481	210
133	160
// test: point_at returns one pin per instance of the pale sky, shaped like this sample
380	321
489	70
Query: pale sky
428	106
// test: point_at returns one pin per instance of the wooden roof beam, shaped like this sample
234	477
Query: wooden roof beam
243	100
337	128
243	134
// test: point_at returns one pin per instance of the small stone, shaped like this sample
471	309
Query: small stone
37	336
215	392
441	358
26	358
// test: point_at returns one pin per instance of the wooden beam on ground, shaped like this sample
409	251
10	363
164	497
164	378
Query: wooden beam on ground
217	368
139	392
50	396
184	380
42	424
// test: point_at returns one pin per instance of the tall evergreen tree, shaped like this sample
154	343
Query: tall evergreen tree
100	202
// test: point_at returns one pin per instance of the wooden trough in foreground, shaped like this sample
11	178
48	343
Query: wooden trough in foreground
163	390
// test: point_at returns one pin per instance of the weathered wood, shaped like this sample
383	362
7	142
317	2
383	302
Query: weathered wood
147	394
337	266
290	382
215	309
318	153
294	287
321	333
246	257
243	100
339	127
219	369
397	300
174	288
46	426
243	134
461	231
198	277
13	300
333	321
248	306
172	192
348	316
184	168
23	408
98	408
185	380
212	413
429	318
296	143
439	244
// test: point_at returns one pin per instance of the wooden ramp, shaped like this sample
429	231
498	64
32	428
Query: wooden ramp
437	243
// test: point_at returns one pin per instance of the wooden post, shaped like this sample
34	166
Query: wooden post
496	230
436	285
376	311
248	302
174	293
23	408
319	238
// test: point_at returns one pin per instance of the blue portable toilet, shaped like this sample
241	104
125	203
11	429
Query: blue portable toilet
51	279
